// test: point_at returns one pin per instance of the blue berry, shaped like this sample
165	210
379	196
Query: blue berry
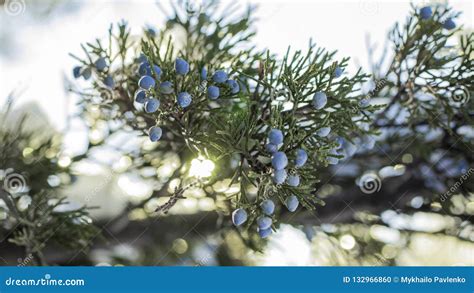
86	73
184	99
323	132
319	100
239	216
264	233
152	105
140	96
109	81
157	70
142	58
338	72
144	69
292	203
234	86
271	148
100	64
203	73
181	66
76	71
449	24
268	207
264	222
275	136
155	133
279	160
279	176
293	180
213	92
146	82
426	12
166	87
219	76
301	158
151	31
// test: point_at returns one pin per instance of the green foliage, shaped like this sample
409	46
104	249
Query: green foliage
33	215
275	92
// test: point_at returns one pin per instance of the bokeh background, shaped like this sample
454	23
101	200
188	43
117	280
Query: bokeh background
35	69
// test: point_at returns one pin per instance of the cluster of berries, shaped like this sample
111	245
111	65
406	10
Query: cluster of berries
426	13
264	222
100	65
150	74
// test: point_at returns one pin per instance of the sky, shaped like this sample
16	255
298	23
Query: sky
38	59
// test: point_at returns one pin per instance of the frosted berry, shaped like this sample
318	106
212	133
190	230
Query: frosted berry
152	105
184	99
157	70
86	73
271	148
301	158
213	92
142	58
146	82
155	133
426	12
338	72
323	132
319	100
144	69
219	76
109	81
292	203
100	64
234	86
239	216
293	180
279	176
76	71
264	222
166	87
449	24
275	136
268	207
264	233
279	160
204	73
140	96
181	66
